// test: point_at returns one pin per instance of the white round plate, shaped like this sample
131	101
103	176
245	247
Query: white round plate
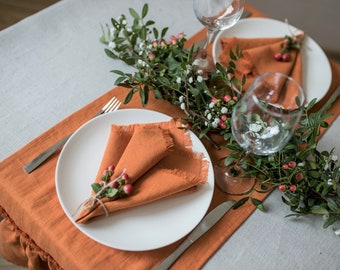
316	72
143	228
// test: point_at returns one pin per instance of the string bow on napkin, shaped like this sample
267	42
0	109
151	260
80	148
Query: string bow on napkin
258	57
159	162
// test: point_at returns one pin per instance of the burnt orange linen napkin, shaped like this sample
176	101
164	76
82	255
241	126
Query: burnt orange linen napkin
157	160
258	57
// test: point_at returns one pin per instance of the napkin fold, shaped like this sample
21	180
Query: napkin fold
159	161
258	57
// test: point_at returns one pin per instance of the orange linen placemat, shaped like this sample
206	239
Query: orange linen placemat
37	233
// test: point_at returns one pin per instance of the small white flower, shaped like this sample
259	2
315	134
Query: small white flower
199	78
178	80
334	157
190	80
142	46
224	110
270	132
206	112
181	99
337	232
211	105
254	127
326	167
182	106
209	116
329	182
124	22
200	71
112	45
301	164
274	130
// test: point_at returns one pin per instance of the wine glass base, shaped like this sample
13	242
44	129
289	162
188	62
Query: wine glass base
204	62
233	185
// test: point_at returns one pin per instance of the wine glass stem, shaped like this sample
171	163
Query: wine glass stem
211	34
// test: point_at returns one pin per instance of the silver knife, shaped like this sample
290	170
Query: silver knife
207	222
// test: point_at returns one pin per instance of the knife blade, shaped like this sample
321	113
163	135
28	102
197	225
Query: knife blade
207	222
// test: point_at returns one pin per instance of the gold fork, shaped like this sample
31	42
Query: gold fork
111	106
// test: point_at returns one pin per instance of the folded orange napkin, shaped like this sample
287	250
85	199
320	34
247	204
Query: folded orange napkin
258	57
158	160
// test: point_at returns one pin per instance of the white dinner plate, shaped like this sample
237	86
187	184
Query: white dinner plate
316	72
142	228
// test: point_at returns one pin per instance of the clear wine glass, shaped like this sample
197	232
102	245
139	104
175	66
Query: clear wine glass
215	15
263	121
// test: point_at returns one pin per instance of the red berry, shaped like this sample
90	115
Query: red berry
292	164
285	57
128	188
114	184
226	98
223	117
292	188
222	125
282	188
111	168
284	166
298	176
125	176
278	56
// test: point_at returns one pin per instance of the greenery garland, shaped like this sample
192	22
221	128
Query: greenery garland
307	177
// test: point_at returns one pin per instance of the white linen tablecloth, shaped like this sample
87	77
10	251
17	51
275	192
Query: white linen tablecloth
52	64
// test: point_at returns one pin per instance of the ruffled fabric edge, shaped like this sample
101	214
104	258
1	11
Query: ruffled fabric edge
18	248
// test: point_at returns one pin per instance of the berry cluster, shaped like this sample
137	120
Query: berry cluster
113	189
296	176
218	112
288	44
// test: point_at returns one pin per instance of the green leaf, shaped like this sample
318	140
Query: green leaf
311	104
134	14
232	55
111	192
119	80
319	210
129	96
240	202
118	72
258	204
164	30
155	32
110	54
145	10
96	187
144	95
333	206
331	220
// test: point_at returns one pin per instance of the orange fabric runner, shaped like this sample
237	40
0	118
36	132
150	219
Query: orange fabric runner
37	233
